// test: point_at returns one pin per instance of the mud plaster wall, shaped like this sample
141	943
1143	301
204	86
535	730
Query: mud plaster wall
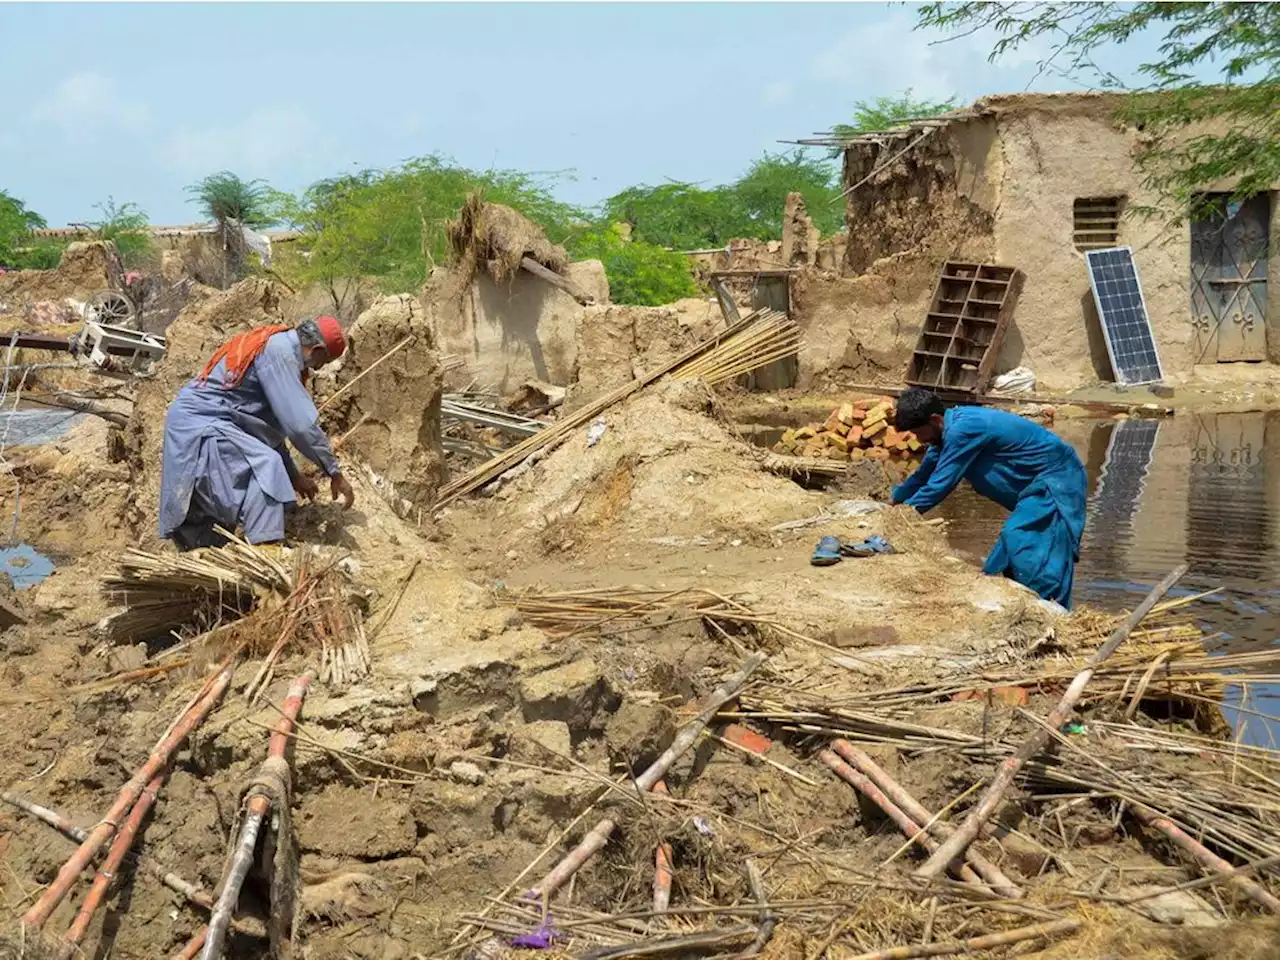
939	198
1049	160
397	404
618	343
937	203
508	333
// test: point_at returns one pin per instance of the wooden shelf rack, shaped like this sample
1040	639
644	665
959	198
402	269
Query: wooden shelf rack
968	318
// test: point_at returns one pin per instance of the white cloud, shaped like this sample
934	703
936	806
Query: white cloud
87	105
259	144
890	55
778	93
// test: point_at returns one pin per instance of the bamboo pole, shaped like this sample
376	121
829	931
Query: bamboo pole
107	872
988	942
662	866
258	807
768	919
1204	856
194	945
363	373
598	836
982	811
904	823
129	793
158	871
983	867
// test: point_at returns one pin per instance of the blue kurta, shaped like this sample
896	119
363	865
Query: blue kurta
225	460
1028	471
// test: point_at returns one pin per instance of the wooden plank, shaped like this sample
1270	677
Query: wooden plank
727	306
553	278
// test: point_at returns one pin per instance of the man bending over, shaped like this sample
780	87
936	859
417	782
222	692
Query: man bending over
1018	464
225	459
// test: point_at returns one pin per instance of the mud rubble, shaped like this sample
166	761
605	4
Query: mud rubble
536	648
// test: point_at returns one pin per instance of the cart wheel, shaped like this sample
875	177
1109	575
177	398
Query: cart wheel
114	309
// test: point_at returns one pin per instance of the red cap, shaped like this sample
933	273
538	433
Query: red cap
331	332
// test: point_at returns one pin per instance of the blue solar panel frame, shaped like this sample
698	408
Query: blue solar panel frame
1122	308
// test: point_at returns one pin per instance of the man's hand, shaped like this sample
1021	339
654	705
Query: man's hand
306	487
340	487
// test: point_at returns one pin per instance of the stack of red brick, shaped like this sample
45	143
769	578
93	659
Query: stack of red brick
862	429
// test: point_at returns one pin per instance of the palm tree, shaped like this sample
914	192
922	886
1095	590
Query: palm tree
231	202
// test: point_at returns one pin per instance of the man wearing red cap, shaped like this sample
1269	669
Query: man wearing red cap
225	459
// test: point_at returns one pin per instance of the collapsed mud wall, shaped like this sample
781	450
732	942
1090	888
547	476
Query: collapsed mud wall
393	412
506	333
38	296
937	200
615	344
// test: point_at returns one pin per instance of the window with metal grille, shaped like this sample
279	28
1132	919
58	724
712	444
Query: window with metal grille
1095	222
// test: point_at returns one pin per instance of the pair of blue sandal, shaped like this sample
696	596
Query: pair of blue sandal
830	550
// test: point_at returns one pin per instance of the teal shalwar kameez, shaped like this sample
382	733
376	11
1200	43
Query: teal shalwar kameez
1028	471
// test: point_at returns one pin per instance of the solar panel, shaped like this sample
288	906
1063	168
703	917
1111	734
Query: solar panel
1113	276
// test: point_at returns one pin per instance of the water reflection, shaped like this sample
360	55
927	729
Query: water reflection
1192	488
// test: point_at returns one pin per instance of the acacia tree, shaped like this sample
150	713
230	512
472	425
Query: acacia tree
17	222
1242	40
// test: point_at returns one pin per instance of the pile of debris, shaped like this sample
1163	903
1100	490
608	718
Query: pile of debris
862	429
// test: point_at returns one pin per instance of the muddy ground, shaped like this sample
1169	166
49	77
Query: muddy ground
491	735
479	738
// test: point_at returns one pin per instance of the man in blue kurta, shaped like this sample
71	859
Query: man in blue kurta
1018	464
225	460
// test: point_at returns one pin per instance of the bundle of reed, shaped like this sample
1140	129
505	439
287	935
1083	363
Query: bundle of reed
606	609
1225	794
811	468
162	592
245	598
546	440
771	337
1180	673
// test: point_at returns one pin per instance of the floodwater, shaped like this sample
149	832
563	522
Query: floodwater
1196	488
36	425
24	565
1203	489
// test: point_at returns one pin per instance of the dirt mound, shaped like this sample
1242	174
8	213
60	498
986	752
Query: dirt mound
662	465
493	238
208	321
68	496
39	296
393	411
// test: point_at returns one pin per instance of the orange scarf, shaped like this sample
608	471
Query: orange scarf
240	351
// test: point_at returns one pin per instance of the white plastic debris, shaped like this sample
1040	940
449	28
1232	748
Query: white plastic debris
596	431
1017	380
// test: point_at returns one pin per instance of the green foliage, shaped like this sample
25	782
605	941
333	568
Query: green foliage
224	196
885	113
763	191
16	224
1242	39
684	216
390	224
125	225
638	272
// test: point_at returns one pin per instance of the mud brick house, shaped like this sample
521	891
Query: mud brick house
1036	180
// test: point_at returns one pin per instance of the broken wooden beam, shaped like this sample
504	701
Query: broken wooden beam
553	278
